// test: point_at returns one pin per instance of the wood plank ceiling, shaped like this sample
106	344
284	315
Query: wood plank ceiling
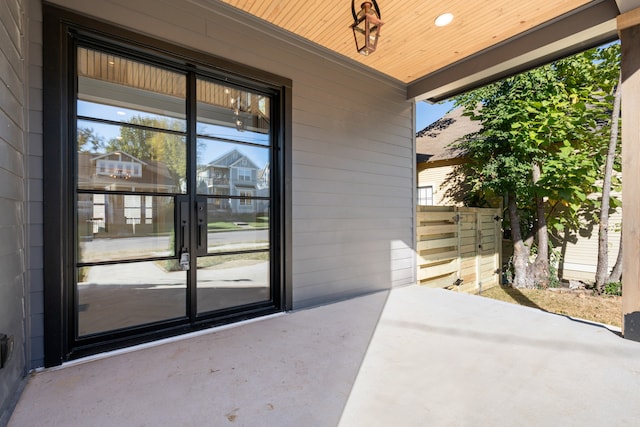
410	45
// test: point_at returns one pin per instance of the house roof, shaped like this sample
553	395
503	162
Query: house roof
233	158
118	153
485	41
433	143
155	174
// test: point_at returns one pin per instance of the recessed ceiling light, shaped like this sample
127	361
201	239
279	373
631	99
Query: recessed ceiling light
444	19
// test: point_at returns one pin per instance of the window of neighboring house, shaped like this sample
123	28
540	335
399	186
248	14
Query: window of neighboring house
425	196
244	174
98	212
132	211
246	202
148	210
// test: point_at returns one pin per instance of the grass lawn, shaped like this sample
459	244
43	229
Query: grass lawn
229	226
581	304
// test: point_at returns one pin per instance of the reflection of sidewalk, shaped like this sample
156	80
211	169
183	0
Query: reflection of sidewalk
139	273
149	273
242	276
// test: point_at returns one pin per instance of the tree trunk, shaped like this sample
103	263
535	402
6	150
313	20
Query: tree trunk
616	273
603	227
520	250
540	269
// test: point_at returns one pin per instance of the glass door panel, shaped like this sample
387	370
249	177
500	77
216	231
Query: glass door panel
131	165
226	112
232	232
123	88
116	227
136	159
226	168
233	180
124	295
227	281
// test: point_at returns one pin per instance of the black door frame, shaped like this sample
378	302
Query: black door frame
60	29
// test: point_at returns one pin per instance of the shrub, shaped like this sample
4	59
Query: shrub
613	288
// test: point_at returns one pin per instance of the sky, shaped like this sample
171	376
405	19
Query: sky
427	113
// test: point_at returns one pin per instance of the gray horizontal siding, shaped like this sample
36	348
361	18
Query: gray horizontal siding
12	199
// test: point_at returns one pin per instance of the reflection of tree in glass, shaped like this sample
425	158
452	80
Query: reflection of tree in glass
146	141
88	140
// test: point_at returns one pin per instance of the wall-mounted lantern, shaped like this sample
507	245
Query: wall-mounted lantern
366	26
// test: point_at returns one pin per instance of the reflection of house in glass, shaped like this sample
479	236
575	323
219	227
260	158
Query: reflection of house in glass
264	175
106	214
234	174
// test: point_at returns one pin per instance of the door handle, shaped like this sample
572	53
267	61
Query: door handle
183	221
201	218
181	232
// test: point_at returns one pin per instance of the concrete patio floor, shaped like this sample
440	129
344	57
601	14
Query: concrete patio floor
410	357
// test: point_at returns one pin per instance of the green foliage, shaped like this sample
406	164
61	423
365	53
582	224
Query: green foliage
220	225
542	145
88	140
554	263
146	141
231	226
507	273
613	288
557	117
171	264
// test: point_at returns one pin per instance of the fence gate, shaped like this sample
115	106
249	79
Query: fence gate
459	248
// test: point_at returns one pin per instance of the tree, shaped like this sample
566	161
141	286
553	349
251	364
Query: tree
608	181
147	141
603	226
540	147
88	137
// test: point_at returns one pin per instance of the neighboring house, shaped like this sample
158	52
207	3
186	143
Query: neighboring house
263	190
436	158
106	212
436	161
579	253
120	171
234	174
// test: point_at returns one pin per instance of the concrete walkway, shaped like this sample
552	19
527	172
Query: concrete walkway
409	357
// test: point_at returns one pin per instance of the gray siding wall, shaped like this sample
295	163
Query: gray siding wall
353	161
12	198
